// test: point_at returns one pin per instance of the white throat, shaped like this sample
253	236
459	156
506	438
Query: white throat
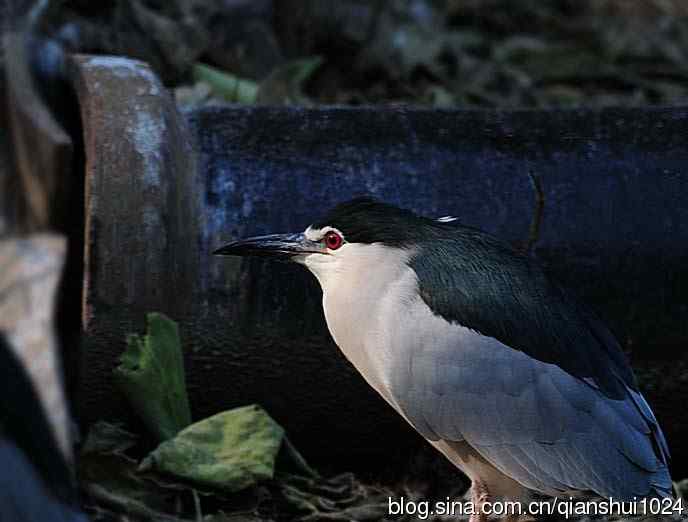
362	286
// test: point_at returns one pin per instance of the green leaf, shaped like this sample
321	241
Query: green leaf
230	451
151	375
227	86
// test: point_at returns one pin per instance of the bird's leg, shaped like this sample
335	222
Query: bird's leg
479	495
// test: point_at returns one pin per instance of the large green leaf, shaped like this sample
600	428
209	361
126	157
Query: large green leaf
151	375
231	450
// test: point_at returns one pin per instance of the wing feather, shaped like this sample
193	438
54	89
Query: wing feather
551	431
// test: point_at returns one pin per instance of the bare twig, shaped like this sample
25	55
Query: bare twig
538	212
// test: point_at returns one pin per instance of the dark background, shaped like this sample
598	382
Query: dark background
490	54
459	53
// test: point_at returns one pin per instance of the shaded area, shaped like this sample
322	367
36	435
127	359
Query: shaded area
235	465
475	53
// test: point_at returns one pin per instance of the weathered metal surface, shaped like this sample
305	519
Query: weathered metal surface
615	229
615	223
139	168
140	215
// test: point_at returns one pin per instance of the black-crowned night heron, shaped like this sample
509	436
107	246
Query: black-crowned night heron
499	368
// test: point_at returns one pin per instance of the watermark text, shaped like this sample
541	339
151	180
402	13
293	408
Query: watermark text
566	508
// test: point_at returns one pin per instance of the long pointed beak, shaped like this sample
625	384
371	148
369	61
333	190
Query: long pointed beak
276	246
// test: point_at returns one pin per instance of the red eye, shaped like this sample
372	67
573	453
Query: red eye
333	240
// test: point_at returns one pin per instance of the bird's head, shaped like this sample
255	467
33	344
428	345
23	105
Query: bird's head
360	229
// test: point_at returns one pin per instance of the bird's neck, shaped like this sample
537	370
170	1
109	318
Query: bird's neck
359	303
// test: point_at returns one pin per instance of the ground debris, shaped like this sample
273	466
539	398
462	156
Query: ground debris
476	53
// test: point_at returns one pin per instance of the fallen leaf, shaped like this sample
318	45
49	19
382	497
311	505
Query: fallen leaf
230	451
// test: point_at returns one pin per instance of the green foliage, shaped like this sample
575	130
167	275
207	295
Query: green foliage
226	86
211	470
229	451
151	375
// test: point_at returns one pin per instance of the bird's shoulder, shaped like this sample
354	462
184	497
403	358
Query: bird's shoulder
475	280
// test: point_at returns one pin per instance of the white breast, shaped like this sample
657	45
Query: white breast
373	284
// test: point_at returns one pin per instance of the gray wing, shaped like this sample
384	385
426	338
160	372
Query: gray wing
547	429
